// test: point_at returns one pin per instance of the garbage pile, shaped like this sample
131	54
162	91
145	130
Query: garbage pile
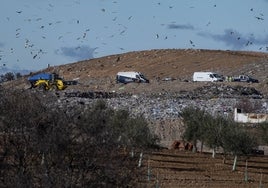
225	91
216	99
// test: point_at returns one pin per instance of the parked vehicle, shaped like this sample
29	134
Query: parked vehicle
127	77
207	77
245	78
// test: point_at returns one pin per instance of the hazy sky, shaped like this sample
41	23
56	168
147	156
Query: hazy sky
35	33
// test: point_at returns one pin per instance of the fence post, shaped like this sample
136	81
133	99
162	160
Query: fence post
246	171
149	170
140	160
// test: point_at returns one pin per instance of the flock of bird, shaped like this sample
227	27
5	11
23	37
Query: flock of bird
37	52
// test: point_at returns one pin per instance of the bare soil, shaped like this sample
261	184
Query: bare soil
159	64
99	74
174	168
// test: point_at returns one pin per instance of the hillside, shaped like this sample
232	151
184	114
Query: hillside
99	73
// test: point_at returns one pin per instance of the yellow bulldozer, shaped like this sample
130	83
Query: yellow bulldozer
49	81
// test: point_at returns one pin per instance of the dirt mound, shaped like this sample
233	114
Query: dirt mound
179	64
168	70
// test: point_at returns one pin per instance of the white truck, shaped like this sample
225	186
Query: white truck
132	76
207	77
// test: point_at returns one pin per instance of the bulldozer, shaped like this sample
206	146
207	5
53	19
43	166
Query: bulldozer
48	81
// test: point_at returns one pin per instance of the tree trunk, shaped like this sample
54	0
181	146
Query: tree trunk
194	147
235	161
140	160
213	152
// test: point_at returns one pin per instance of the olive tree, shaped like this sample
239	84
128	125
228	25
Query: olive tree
237	141
105	132
35	140
215	130
195	120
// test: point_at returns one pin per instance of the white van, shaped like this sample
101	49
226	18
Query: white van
127	77
207	77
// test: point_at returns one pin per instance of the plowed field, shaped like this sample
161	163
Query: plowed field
170	168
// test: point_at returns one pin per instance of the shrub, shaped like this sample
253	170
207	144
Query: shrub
48	148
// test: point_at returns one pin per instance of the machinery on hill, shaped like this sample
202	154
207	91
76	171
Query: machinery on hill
49	81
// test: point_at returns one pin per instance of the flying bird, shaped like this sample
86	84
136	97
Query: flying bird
259	18
192	43
122	32
248	42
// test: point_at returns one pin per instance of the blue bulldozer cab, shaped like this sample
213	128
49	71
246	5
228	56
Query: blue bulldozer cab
40	76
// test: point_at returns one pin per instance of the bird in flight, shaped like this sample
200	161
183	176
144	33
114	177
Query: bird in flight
259	18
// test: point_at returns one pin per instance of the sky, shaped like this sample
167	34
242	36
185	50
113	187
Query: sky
38	33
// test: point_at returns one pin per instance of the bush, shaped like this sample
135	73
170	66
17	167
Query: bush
48	148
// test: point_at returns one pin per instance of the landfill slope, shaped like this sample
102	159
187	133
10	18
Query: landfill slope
157	65
177	65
